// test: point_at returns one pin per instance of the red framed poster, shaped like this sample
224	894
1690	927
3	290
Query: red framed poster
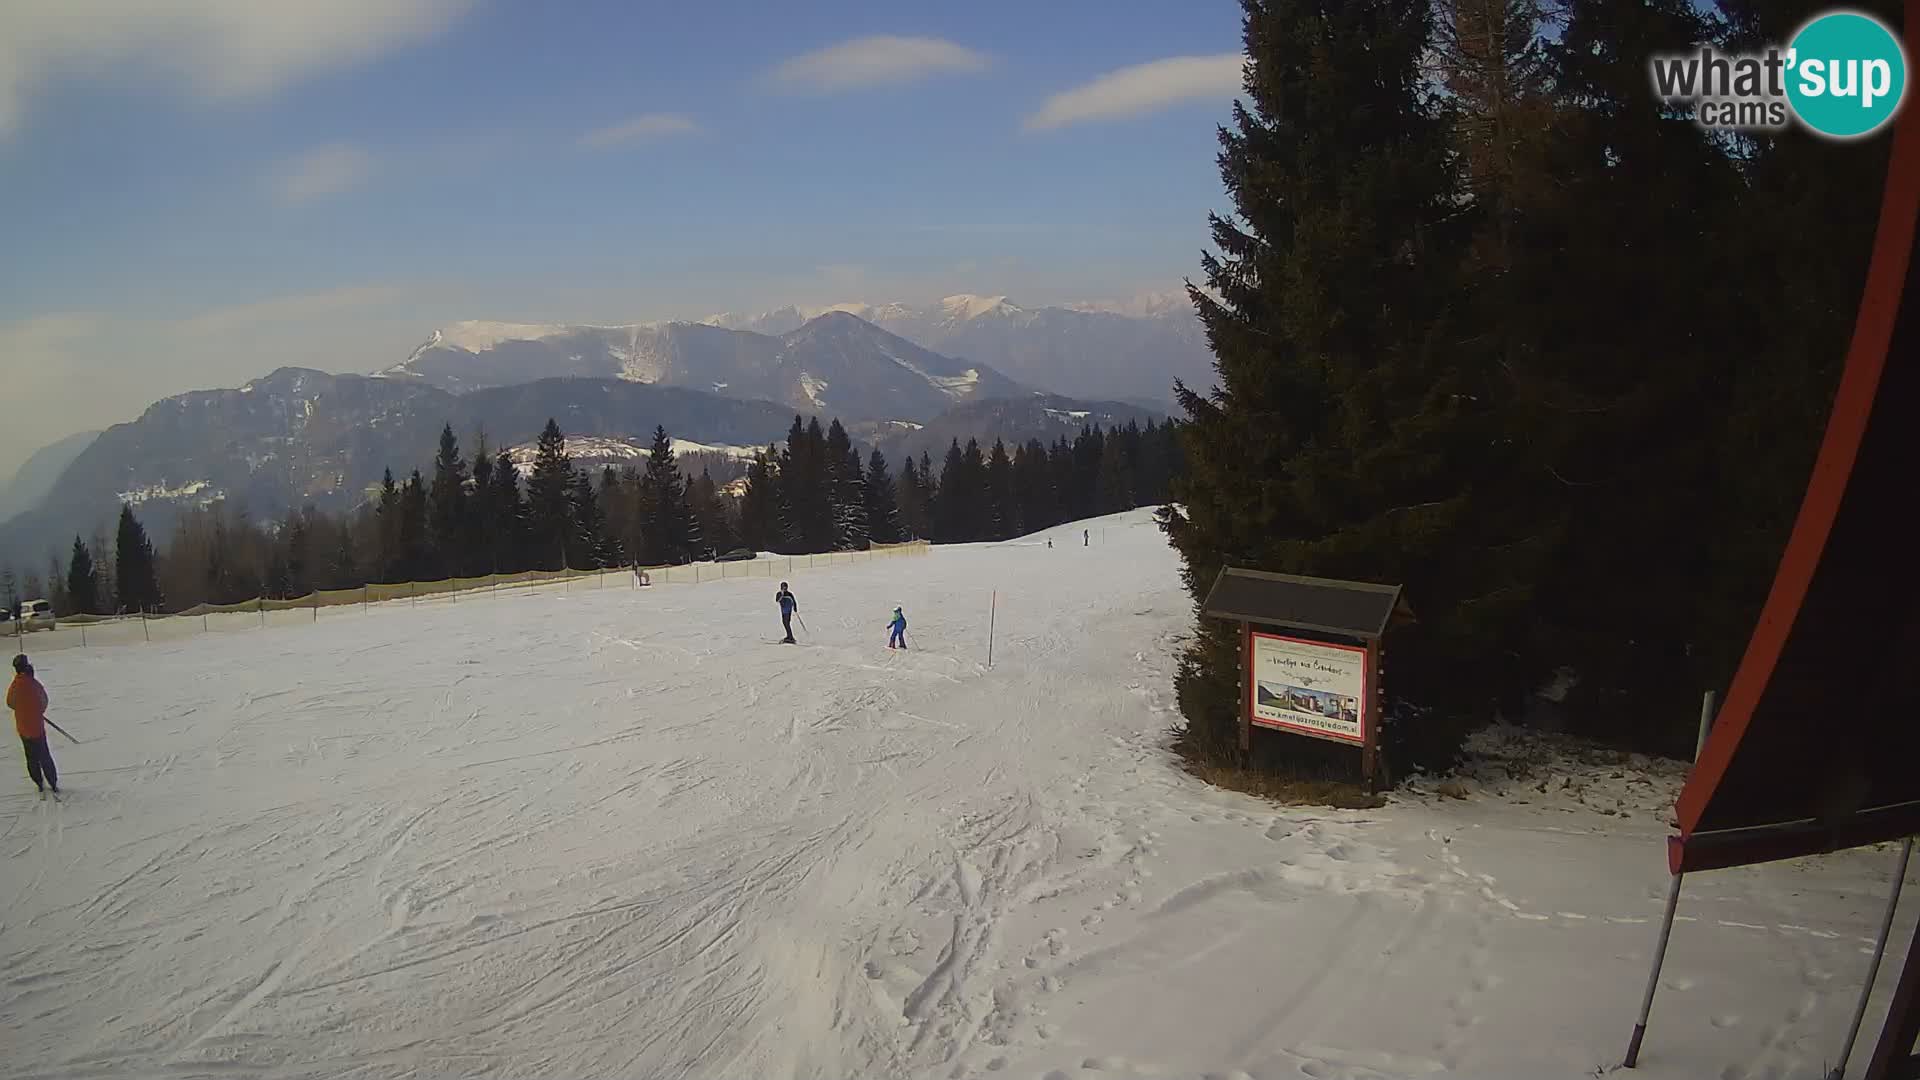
1310	687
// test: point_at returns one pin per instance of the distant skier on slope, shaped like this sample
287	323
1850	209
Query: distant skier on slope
899	628
28	700
788	605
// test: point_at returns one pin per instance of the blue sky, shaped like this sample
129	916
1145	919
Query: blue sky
192	198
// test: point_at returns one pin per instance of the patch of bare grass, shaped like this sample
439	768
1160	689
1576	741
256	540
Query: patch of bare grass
1285	790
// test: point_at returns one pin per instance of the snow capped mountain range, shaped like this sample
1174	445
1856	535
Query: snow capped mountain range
834	362
1123	350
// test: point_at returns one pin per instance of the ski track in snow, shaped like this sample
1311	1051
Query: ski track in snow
616	833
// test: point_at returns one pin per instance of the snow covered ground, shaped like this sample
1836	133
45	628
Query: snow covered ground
620	833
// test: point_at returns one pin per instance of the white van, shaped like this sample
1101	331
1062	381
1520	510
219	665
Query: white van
36	614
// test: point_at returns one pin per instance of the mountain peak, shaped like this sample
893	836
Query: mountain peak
969	306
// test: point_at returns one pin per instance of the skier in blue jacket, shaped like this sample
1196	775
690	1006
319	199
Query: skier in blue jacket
788	605
899	627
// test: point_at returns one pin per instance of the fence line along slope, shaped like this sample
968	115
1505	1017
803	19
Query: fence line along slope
88	631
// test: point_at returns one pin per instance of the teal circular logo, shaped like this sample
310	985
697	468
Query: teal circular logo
1847	74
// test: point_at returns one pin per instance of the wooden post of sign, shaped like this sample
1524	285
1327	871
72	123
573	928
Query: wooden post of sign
1370	702
1380	713
1247	697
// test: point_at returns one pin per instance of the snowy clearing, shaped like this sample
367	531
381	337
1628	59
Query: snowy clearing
620	833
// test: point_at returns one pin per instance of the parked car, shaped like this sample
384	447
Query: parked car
36	614
736	555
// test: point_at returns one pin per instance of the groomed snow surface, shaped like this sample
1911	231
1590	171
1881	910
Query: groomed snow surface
621	833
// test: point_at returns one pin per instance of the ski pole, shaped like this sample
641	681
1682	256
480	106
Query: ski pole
802	622
63	731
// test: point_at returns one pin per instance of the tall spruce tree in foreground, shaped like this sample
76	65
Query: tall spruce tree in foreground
83	593
1611	432
1337	440
134	567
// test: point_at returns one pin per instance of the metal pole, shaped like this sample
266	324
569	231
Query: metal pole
1666	921
1873	969
1653	979
144	632
83	635
1706	725
993	609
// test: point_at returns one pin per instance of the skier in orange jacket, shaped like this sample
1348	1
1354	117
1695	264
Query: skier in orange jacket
28	700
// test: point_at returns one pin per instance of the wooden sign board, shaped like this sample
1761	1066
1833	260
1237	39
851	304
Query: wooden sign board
1310	655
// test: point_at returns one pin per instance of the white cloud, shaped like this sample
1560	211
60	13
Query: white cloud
322	171
876	60
649	126
1143	88
220	49
290	308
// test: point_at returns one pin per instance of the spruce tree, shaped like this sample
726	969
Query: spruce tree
613	511
911	500
845	481
135	570
387	511
761	520
972	502
482	519
586	527
1003	512
1800	281
1339	436
1617	423
696	545
344	570
104	563
1113	490
712	514
83	597
296	556
549	491
951	505
448	523
883	510
415	554
810	491
667	532
508	514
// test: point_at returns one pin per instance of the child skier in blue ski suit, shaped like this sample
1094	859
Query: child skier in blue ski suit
899	628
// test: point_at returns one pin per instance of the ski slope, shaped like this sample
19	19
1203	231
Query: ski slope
620	833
